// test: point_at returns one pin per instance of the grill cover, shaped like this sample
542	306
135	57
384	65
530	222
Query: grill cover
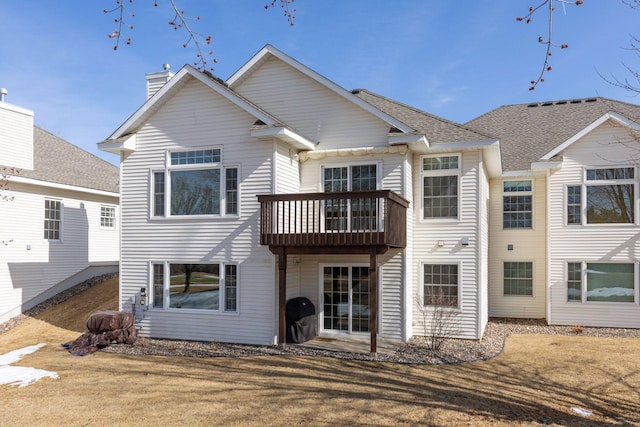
301	320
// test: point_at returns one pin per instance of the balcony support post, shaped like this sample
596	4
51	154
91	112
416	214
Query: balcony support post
282	297
373	298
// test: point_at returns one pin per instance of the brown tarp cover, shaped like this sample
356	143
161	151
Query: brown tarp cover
104	328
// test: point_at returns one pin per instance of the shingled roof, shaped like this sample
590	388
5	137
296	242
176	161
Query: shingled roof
529	131
436	129
56	160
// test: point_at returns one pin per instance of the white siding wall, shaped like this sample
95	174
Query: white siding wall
16	137
426	235
30	266
308	107
594	243
529	245
198	117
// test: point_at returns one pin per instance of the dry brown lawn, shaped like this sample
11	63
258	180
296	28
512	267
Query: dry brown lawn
537	380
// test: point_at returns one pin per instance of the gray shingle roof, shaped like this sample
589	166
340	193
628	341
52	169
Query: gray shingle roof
59	161
436	129
529	131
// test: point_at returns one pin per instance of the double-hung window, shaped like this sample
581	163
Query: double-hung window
518	278
517	204
195	183
600	282
107	216
440	186
440	285
606	197
52	220
212	286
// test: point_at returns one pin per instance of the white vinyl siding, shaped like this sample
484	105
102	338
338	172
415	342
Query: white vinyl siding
32	268
427	234
517	244
195	119
16	138
590	243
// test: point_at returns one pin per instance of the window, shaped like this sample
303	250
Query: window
193	184
603	282
518	278
440	284
52	219
108	216
195	286
440	181
358	214
517	204
607	197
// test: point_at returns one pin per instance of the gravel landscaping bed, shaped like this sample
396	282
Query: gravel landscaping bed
415	351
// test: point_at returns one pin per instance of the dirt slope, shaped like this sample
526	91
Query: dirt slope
73	313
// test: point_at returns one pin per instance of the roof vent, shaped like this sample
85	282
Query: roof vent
561	102
576	101
546	104
3	94
591	100
356	91
532	105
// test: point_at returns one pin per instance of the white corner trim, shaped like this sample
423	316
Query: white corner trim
611	115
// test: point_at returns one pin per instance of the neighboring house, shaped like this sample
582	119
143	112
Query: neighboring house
62	225
238	195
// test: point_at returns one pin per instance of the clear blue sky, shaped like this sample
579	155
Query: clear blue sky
455	59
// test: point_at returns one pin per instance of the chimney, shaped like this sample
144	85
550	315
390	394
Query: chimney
156	80
3	94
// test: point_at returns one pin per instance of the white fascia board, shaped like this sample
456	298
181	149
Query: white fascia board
16	109
286	135
268	49
30	181
517	174
611	115
125	144
546	165
187	71
467	145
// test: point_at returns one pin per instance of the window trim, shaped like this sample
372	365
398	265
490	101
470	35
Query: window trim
60	221
533	279
585	183
441	172
458	308
529	193
166	265
583	283
114	218
168	168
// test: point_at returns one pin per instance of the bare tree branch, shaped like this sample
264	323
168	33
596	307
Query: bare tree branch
548	42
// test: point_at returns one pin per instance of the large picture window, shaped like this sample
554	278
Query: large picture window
600	282
195	286
440	285
195	183
606	197
517	204
440	182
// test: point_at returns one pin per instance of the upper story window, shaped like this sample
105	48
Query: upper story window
107	216
517	204
52	219
606	197
440	186
195	183
346	214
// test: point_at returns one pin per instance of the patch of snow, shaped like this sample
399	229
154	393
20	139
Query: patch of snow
582	411
610	292
20	375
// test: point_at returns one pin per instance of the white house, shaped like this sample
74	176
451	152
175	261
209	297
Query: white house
238	195
59	214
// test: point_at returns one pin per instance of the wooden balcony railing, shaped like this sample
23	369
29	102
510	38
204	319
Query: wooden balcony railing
347	219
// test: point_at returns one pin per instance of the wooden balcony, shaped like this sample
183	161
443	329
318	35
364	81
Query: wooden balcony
346	222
